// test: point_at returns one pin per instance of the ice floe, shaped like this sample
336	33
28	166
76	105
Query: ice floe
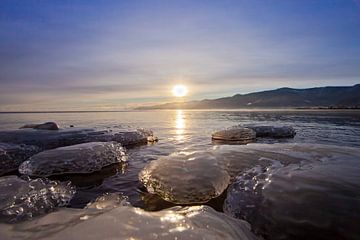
22	199
12	155
270	131
197	177
243	134
126	222
43	126
80	158
185	178
287	200
238	134
48	139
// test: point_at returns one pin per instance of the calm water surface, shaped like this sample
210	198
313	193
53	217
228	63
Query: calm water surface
182	130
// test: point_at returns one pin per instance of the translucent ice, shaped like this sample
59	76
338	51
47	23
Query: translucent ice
126	222
80	158
24	198
185	178
48	139
12	155
273	131
239	134
304	200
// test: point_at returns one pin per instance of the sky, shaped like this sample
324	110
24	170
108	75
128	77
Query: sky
113	55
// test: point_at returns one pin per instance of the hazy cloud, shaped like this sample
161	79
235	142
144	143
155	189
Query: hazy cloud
119	53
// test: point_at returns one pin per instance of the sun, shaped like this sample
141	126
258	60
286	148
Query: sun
179	90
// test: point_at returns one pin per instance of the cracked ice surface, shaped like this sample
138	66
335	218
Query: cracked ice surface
22	199
301	194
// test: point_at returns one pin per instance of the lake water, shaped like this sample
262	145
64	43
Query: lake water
185	130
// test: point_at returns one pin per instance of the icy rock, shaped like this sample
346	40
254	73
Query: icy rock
185	178
302	200
126	222
273	131
238	134
43	126
12	155
71	136
22	199
80	158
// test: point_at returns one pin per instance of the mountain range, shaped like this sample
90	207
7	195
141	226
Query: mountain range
319	97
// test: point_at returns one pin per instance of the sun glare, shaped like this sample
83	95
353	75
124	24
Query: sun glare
179	90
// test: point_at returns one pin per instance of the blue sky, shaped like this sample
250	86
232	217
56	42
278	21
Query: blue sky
72	55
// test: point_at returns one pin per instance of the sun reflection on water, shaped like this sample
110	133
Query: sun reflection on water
180	125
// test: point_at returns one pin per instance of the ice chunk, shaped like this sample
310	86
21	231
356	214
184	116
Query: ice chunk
126	222
43	126
48	139
238	134
236	159
185	178
302	200
25	198
196	177
276	131
80	158
12	155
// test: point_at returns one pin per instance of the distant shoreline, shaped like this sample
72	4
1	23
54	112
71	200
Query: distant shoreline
184	109
339	97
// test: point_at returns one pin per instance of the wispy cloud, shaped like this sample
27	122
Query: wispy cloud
88	55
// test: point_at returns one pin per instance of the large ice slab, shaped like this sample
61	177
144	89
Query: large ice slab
48	139
196	177
185	178
126	222
12	155
80	158
300	199
22	199
236	159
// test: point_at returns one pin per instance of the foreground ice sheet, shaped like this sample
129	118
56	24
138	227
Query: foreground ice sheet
22	199
185	178
80	158
48	139
126	222
12	155
301	200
